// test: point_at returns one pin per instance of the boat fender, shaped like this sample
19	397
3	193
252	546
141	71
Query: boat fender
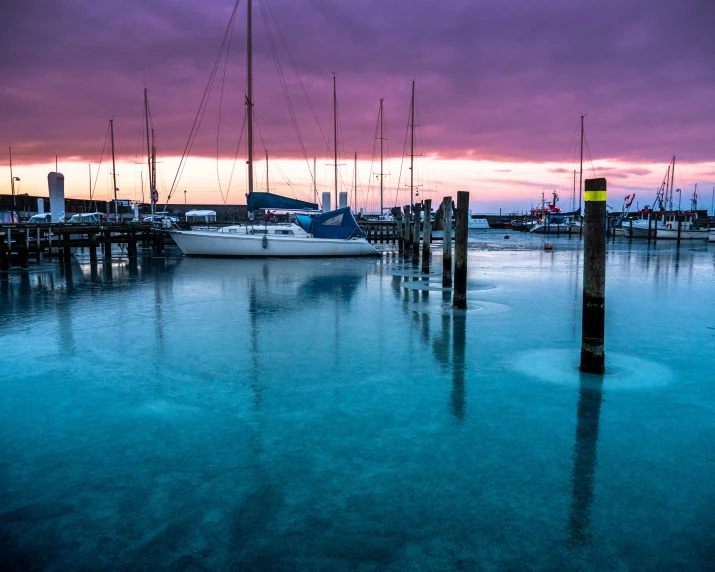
670	226
265	241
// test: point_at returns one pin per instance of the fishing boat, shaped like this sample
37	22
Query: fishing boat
550	219
477	222
333	233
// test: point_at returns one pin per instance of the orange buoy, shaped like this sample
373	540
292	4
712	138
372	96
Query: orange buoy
547	246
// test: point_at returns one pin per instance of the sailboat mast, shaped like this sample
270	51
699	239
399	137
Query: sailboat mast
573	197
580	177
268	188
382	139
114	167
153	174
355	187
148	144
315	183
672	181
90	180
412	145
12	183
335	137
249	96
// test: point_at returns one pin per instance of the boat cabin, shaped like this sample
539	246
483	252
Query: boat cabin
88	218
201	216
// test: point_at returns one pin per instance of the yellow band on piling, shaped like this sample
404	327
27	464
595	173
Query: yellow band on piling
595	196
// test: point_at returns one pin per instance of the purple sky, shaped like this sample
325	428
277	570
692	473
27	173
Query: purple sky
496	80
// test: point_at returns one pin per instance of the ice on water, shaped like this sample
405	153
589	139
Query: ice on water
188	414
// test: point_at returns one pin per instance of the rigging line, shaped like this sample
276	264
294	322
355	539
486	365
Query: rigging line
101	157
133	158
300	80
220	105
593	170
402	160
235	157
284	83
203	103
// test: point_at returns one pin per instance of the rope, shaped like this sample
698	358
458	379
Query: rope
202	106
96	177
220	104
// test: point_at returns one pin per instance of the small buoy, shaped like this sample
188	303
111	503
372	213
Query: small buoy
547	246
506	237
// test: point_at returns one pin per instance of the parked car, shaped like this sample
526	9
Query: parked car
6	217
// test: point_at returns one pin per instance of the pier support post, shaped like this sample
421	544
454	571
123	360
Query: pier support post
679	217
107	244
132	243
67	250
594	277
459	297
92	248
408	231
398	231
447	243
416	235
38	254
631	222
427	238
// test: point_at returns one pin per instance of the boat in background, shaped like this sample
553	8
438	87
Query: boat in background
550	219
477	222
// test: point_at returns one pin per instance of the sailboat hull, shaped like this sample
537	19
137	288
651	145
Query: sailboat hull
208	243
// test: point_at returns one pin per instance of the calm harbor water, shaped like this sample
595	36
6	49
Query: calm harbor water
167	413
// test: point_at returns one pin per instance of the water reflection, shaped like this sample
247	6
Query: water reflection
459	338
585	456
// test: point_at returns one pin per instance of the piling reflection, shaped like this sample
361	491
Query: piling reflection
459	338
585	456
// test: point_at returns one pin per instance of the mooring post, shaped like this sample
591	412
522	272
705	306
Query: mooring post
594	277
427	238
447	243
38	254
4	255
132	244
407	230
416	235
631	221
459	297
400	243
107	244
92	248
650	221
679	216
655	230
68	252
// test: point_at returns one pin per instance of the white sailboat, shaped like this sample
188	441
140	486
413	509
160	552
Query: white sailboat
335	233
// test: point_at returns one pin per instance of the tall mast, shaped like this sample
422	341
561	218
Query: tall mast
268	188
672	180
148	145
153	172
381	161
249	96
12	183
412	145
90	180
315	183
114	167
580	177
335	137
573	199
355	188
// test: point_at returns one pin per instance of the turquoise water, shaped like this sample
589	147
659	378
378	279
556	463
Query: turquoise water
186	414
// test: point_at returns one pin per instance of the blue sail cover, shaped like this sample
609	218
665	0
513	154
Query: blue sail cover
277	202
339	223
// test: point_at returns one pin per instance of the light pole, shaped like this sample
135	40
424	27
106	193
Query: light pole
184	197
680	196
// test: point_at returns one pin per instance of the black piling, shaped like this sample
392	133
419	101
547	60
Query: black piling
679	226
594	277
398	231
447	243
416	235
107	244
459	297
427	236
408	231
650	221
92	248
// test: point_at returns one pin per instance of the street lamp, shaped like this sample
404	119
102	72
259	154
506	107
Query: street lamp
680	196
184	197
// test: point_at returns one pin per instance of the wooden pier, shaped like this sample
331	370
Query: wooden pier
22	243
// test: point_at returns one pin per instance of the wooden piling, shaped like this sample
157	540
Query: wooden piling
447	243
408	231
427	236
107	244
38	253
594	277
416	235
459	297
400	239
679	217
67	259
92	248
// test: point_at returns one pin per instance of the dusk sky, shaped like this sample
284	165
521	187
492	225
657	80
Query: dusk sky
500	88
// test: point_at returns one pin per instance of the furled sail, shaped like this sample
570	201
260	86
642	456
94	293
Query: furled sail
257	201
339	223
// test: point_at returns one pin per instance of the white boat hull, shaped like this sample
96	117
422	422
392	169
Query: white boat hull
208	243
684	234
478	223
711	236
557	229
